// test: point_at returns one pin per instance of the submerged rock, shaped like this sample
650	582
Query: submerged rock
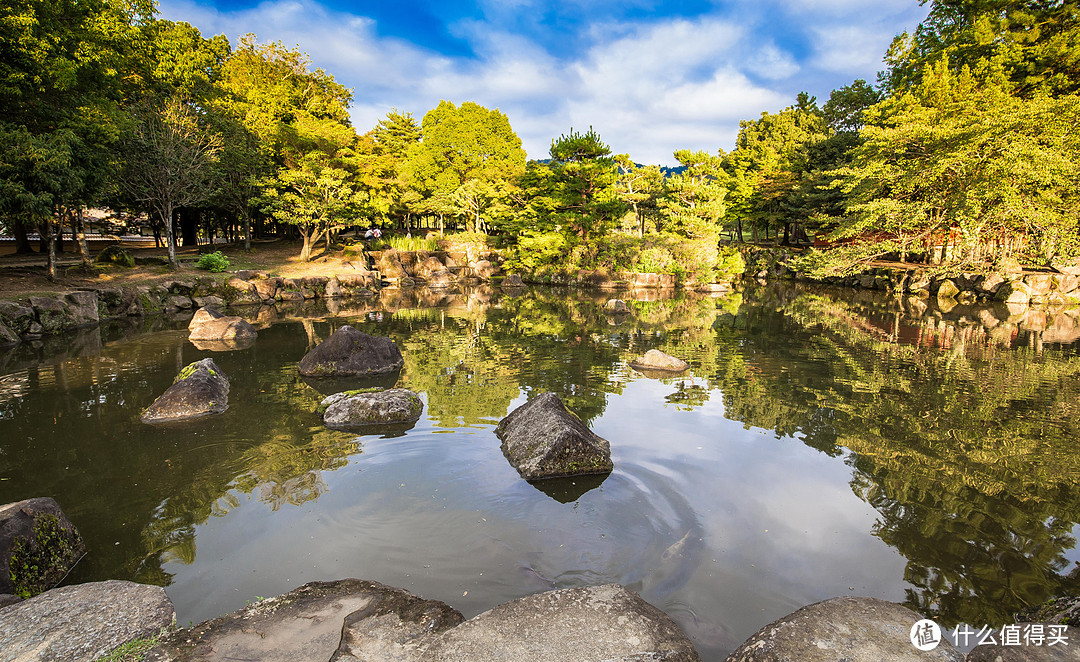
306	625
38	546
82	623
588	624
654	359
541	439
200	389
855	629
356	409
349	352
616	306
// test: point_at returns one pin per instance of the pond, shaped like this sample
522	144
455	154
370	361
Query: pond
824	443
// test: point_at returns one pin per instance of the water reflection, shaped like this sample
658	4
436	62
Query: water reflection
821	440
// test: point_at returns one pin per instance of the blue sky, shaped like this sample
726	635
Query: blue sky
650	76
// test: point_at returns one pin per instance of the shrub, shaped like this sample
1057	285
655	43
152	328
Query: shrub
729	263
407	244
216	262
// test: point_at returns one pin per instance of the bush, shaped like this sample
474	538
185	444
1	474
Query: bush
115	255
407	244
216	262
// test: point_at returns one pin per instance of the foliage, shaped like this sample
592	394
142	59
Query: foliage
410	243
134	650
216	262
962	173
693	201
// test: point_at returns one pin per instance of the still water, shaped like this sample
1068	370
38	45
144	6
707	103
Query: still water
824	443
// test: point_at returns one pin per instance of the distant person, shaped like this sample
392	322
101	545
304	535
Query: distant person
377	233
369	234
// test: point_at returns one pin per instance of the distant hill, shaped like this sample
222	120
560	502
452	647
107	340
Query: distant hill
668	171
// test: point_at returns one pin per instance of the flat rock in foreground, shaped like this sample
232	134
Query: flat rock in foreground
38	546
348	619
541	439
391	407
654	359
82	623
200	389
854	629
349	352
591	624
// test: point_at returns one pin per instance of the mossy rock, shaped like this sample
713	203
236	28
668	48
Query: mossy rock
38	546
117	256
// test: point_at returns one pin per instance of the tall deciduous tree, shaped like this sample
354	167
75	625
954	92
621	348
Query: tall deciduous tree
960	169
463	147
169	160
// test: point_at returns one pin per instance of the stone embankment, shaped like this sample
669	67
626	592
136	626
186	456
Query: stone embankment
1060	288
39	316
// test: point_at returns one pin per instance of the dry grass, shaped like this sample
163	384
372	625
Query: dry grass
22	276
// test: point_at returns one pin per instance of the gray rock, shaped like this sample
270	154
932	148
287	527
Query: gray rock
38	546
333	288
7	336
17	317
200	389
115	255
484	269
512	280
616	306
82	623
1016	292
654	359
8	599
52	315
588	624
267	288
989	285
252	274
179	302
224	328
854	629
394	627
351	409
1039	283
212	301
541	439
349	352
83	307
947	289
306	625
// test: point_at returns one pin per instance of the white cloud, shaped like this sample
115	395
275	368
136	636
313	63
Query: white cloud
648	88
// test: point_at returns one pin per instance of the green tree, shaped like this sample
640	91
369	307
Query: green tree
964	173
693	202
169	156
1035	43
639	187
468	156
582	197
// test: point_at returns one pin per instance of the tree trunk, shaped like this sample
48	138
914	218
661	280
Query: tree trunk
46	233
189	226
247	230
80	235
22	241
170	236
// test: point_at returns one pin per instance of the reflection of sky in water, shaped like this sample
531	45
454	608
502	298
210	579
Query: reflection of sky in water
724	528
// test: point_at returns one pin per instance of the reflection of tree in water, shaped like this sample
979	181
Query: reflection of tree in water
967	454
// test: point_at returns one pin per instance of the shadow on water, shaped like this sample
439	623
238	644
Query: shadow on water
569	490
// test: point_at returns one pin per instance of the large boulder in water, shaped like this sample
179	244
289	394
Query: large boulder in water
395	406
349	352
200	389
654	359
38	546
587	624
83	623
208	324
541	439
349	619
855	629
